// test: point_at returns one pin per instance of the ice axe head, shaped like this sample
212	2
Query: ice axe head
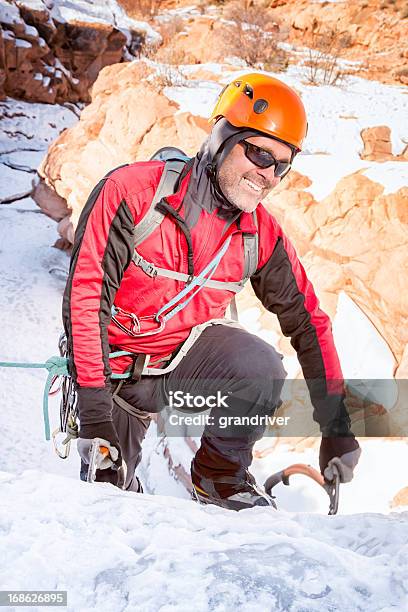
331	488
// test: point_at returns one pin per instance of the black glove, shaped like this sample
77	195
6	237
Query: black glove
342	453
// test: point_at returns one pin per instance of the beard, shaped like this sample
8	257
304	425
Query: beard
244	191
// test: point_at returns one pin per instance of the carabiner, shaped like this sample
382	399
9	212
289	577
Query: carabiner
65	444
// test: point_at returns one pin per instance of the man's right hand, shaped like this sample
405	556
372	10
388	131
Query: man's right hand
107	432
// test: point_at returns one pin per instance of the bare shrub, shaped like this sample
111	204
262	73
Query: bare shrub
167	76
169	55
248	39
326	49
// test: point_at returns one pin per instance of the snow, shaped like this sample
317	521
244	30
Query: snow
182	12
23	44
9	13
325	170
109	12
366	362
37	5
7	35
31	31
23	160
31	126
392	175
371	357
138	552
14	184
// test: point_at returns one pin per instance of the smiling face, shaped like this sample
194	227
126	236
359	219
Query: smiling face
245	184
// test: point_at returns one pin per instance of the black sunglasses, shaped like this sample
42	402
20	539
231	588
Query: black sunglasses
264	159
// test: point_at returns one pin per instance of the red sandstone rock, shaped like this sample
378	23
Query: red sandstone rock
47	58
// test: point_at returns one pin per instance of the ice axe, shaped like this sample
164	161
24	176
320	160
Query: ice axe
332	488
102	455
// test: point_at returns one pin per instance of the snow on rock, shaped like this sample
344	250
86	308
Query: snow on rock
27	131
27	161
109	12
9	14
14	184
78	38
148	553
31	127
392	175
24	205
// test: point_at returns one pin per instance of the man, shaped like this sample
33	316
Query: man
149	303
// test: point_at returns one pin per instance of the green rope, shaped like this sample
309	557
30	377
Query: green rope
56	366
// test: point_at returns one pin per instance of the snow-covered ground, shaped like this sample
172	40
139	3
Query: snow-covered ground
120	551
114	551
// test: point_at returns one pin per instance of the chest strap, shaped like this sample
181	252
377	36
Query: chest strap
151	270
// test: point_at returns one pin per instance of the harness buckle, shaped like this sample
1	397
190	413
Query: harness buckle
147	267
150	270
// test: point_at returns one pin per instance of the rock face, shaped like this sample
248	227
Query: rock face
52	52
112	131
400	499
377	145
373	30
356	239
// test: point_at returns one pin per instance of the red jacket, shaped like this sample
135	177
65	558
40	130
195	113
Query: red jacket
102	273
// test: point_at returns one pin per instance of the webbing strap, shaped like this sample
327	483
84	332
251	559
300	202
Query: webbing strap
138	365
198	281
153	217
151	270
233	309
145	416
251	243
195	333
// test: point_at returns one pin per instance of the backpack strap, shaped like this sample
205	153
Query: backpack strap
153	218
251	243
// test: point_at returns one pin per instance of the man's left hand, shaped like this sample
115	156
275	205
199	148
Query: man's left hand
341	454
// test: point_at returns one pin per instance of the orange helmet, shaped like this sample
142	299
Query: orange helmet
265	104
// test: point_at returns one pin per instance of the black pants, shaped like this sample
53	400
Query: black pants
242	368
